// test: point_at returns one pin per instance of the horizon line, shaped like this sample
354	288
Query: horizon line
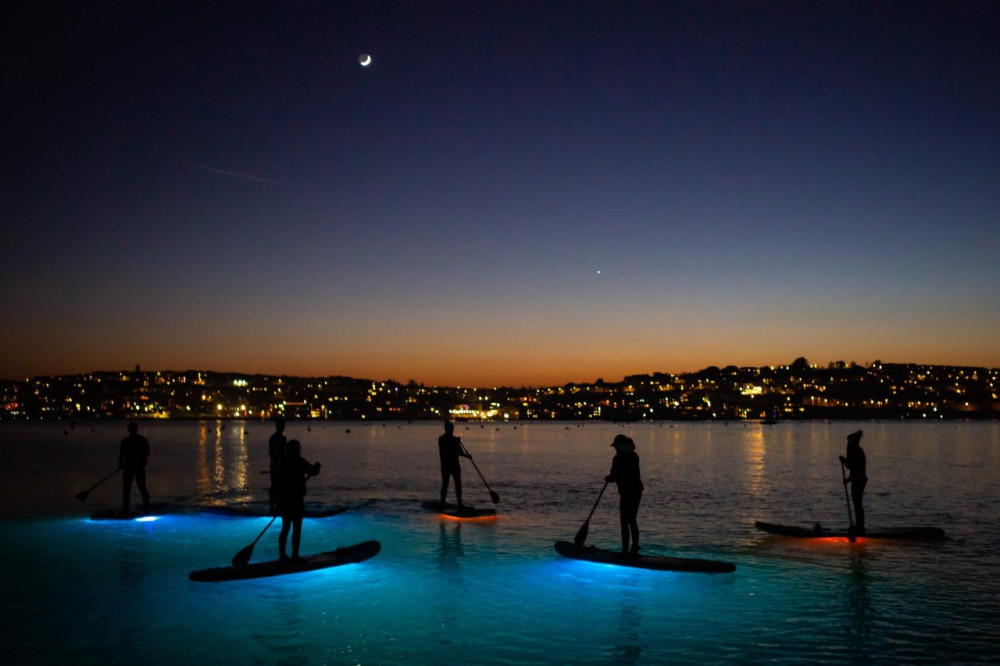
846	364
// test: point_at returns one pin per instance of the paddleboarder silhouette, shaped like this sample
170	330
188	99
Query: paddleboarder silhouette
275	450
132	457
625	473
450	450
856	463
293	473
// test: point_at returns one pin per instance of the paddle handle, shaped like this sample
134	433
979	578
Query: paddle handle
581	535
850	518
594	508
82	495
241	558
493	495
105	478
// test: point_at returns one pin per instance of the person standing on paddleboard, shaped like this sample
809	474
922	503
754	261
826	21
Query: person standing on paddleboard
275	450
450	450
292	474
625	473
132	458
856	463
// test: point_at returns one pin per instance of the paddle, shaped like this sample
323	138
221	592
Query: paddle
493	495
850	519
82	495
242	558
581	536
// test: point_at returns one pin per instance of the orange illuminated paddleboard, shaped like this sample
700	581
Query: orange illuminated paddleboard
453	511
819	532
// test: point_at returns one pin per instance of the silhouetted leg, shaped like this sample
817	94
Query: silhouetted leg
286	524
126	489
296	536
444	485
458	486
857	494
628	510
140	482
634	524
623	517
274	491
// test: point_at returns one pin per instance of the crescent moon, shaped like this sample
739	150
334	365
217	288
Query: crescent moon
365	59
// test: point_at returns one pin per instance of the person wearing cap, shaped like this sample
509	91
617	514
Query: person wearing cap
293	472
856	463
625	473
450	450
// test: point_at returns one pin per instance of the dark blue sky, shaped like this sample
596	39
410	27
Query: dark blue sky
513	192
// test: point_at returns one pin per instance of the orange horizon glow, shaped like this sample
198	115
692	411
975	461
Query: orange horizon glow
463	372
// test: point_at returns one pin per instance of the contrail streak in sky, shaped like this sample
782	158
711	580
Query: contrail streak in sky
244	176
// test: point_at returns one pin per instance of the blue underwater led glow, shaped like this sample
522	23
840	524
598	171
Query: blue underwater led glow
492	592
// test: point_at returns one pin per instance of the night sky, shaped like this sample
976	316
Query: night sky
520	193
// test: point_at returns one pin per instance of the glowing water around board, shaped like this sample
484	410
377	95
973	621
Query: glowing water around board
80	591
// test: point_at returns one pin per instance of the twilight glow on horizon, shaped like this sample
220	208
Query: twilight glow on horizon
507	193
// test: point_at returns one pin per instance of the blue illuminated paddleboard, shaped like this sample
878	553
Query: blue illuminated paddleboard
656	562
333	558
819	532
452	510
116	514
261	509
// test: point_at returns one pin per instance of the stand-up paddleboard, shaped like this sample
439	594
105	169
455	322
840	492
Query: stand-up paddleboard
261	509
656	562
333	558
819	532
452	510
133	514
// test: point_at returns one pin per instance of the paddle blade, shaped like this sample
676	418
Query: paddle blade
242	558
581	536
82	495
494	497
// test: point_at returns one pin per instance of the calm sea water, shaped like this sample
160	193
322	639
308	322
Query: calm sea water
495	592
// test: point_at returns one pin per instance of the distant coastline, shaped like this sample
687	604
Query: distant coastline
769	395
